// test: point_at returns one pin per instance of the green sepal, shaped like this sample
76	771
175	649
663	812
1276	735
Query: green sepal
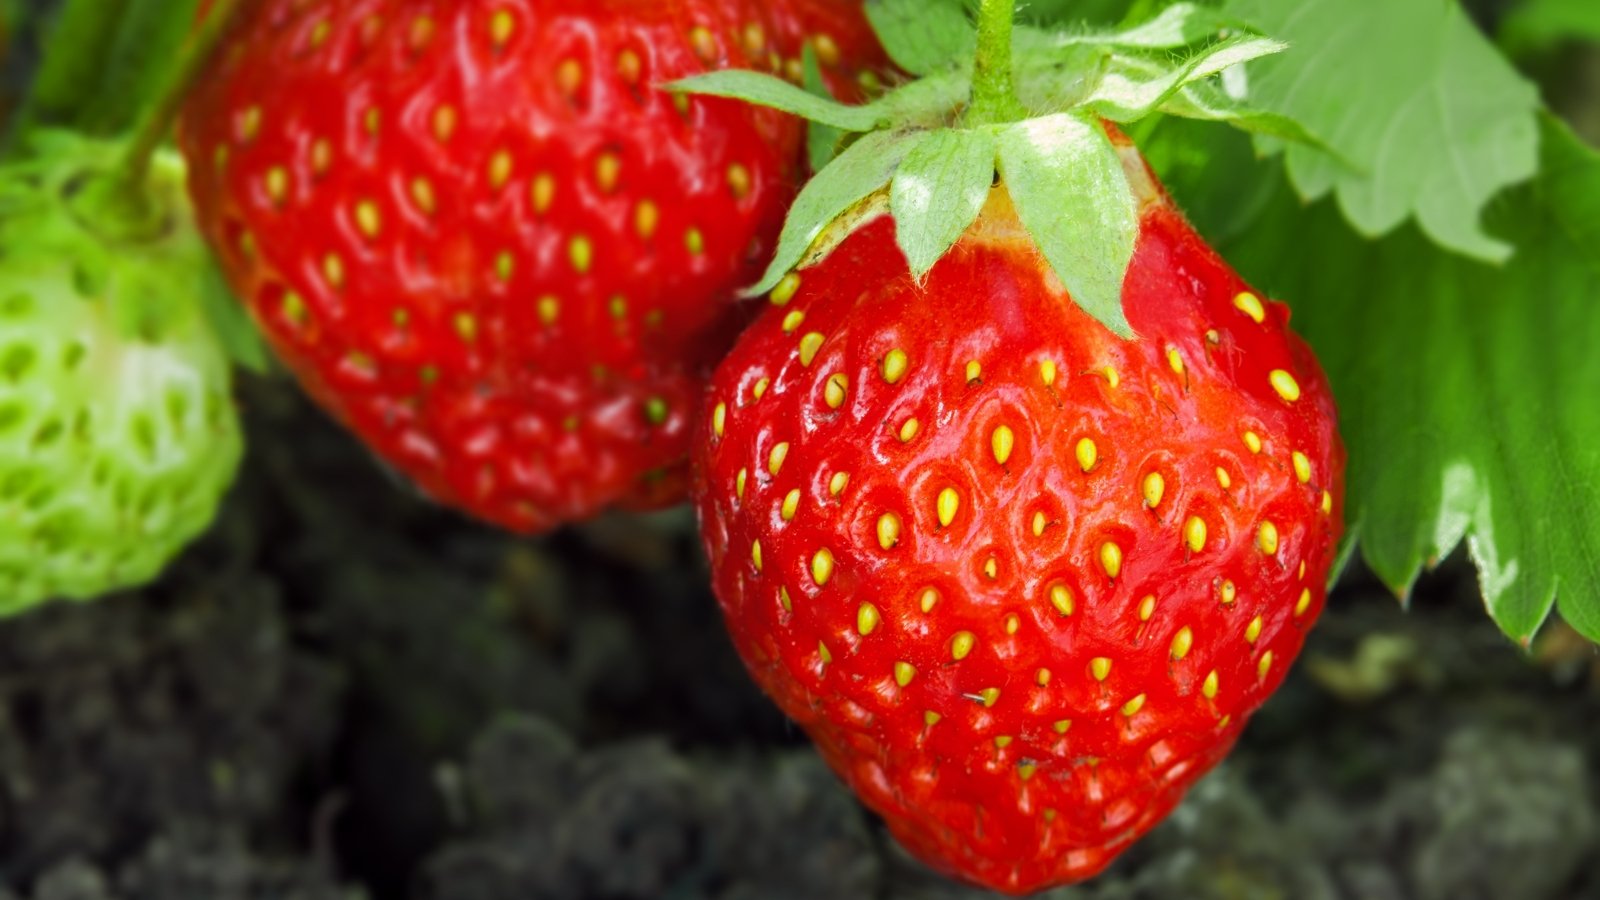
1124	98
860	171
230	323
1179	25
822	141
939	190
768	90
1072	195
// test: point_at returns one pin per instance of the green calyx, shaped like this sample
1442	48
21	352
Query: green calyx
118	434
1021	102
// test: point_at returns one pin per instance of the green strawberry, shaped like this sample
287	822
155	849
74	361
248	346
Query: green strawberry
118	435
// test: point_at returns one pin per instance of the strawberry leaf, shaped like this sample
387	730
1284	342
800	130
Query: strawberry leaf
1434	120
923	36
939	191
866	167
1465	391
768	90
1072	195
1123	97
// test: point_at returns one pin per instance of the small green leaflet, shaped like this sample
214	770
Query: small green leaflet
860	171
1466	392
765	90
1179	25
1435	121
924	36
938	192
1122	98
1072	195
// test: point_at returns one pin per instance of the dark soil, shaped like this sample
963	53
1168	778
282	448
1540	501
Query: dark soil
344	692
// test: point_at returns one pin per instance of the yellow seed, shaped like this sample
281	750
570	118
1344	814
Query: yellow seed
1209	687
321	155
1147	607
1228	593
1213	336
1133	706
1061	599
991	568
1252	441
1285	385
1002	441
835	390
929	599
719	419
646	216
1302	574
930	718
786	289
909	430
1302	467
319	34
791	322
1027	770
544	192
1088	454
1267	538
895	365
888	530
1112	378
822	566
1062	726
784	601
740	481
755	39
618	307
501	24
581	254
791	505
1265	666
1223	478
1327	503
776	458
1002	742
827	51
1181	642
1155	487
467	327
837	483
1047	372
500	166
294	309
694	241
739	181
372	120
760	388
423	196
1303	604
974	371
903	673
368	218
823	654
1111	559
1175	360
704	44
1100	667
962	644
1253	630
249	124
1013	623
444	123
333	271
1194	534
1039	523
755	554
949	504
569	77
1042	677
607	172
630	67
1250	305
549	310
867	619
277	184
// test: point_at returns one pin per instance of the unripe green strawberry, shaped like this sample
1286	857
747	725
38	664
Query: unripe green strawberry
118	435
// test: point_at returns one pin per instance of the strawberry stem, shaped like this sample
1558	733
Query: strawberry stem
994	89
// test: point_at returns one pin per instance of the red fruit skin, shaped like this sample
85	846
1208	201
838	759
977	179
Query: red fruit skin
1046	781
483	240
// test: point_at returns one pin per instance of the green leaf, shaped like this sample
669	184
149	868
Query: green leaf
938	192
1072	195
767	90
860	171
822	141
1538	24
924	36
1434	119
1124	96
1466	393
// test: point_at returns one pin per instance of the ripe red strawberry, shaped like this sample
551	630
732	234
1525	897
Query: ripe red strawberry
483	239
1022	581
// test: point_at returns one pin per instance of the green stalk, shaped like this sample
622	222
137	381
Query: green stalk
78	43
994	88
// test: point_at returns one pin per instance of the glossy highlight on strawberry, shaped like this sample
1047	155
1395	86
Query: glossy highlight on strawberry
1023	582
484	240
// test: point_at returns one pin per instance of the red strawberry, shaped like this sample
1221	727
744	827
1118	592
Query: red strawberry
483	239
1022	581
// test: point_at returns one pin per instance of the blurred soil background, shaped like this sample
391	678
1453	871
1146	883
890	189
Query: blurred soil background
345	693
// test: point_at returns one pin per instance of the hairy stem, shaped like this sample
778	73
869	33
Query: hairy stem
994	89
